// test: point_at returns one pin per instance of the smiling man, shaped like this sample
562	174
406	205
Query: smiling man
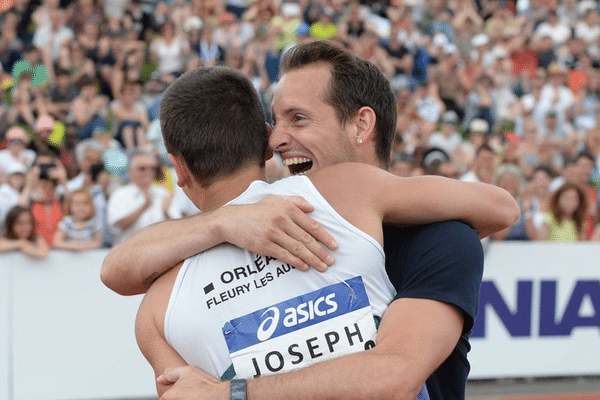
331	107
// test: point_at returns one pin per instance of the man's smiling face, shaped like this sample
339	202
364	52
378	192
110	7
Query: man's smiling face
306	132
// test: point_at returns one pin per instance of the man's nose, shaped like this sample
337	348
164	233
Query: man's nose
278	140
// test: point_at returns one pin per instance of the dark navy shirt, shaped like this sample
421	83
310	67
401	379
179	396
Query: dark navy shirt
442	262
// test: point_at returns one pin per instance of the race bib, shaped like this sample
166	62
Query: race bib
327	323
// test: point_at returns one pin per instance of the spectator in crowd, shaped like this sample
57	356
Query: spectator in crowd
538	195
49	38
584	164
565	219
15	190
19	234
16	153
510	178
139	203
129	117
61	94
448	139
46	205
483	165
73	59
169	50
79	228
42	141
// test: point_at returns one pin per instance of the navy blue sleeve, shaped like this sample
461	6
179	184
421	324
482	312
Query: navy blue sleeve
442	261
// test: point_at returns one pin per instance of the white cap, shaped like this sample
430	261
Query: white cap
192	22
439	39
290	9
15	168
479	125
480	39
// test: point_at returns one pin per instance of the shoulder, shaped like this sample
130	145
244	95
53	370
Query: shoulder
350	172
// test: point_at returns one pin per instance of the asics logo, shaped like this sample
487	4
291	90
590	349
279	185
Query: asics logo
297	315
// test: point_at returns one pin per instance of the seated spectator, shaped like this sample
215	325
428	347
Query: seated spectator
169	50
129	117
19	234
324	27
484	166
15	190
16	154
46	206
61	95
74	60
139	203
553	28
448	139
481	103
88	108
42	140
510	178
538	194
79	229
565	219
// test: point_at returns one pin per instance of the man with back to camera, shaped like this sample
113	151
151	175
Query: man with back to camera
205	313
429	270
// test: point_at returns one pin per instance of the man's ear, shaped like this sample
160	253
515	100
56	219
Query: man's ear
364	120
184	176
269	151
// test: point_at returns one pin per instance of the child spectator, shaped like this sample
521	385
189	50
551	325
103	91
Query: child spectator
19	234
79	229
46	207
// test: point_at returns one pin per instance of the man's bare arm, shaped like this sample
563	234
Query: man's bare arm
415	336
276	226
417	200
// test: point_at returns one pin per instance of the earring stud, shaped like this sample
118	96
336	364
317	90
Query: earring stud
359	141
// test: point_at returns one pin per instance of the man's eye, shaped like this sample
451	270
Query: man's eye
297	118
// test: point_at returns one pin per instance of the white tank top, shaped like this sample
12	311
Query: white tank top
233	313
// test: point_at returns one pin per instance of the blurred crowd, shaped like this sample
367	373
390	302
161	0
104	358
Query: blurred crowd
499	91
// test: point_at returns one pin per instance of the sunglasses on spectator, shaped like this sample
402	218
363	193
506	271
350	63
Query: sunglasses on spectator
16	141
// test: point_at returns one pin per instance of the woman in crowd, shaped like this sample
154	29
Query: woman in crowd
566	216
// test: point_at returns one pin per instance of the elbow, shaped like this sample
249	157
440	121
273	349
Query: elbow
513	211
509	211
110	276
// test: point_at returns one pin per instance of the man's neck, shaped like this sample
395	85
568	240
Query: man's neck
225	189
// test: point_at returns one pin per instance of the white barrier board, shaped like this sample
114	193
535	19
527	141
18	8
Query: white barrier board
539	312
74	338
5	342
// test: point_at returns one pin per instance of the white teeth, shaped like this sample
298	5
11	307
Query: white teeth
295	160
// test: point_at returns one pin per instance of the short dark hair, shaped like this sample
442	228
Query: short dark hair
354	83
213	118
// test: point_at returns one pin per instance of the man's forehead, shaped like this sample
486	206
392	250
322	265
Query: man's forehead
294	85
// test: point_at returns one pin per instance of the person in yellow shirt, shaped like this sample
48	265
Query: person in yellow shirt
565	219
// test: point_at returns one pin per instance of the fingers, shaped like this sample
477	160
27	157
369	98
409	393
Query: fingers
169	376
301	241
300	203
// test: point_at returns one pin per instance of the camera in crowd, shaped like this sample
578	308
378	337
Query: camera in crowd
45	170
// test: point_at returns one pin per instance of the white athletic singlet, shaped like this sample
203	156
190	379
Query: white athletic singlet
235	313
